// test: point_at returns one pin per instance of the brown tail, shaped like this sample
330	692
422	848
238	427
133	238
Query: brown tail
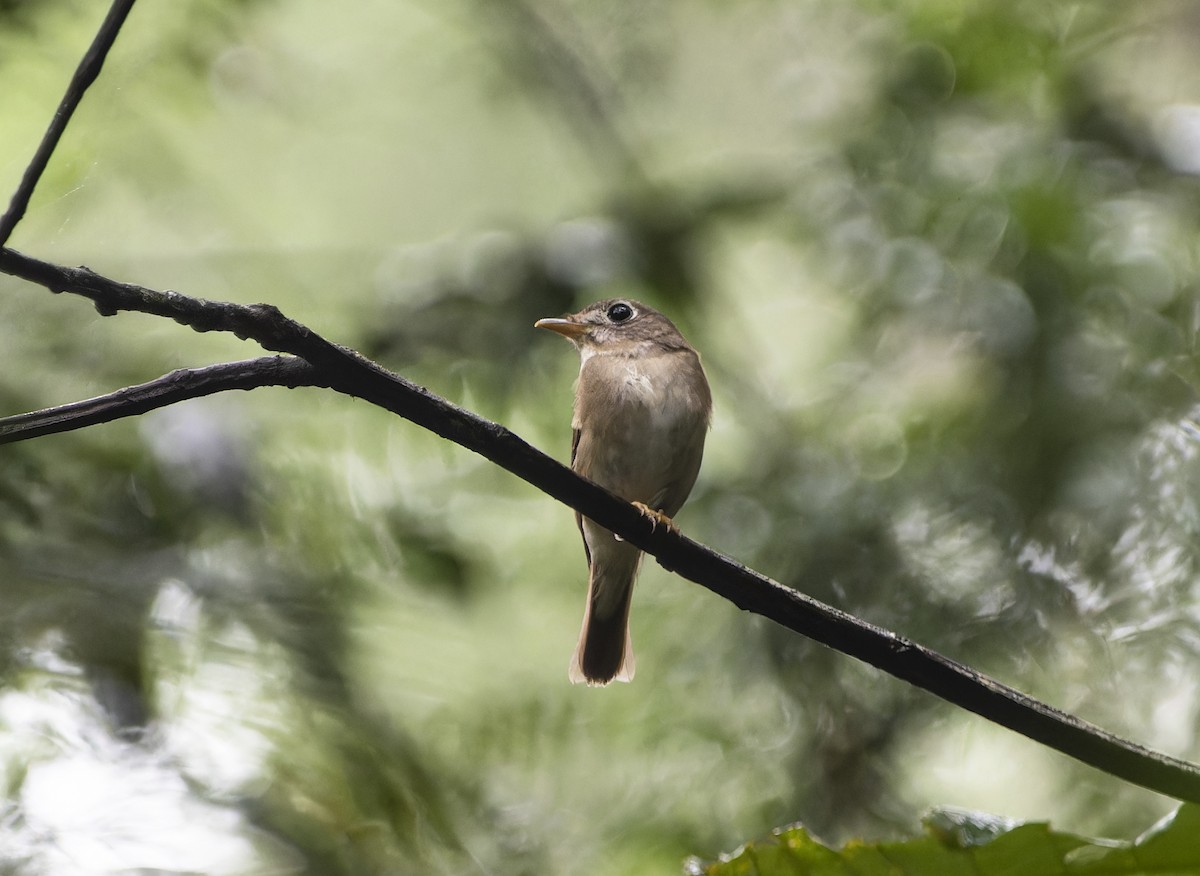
605	652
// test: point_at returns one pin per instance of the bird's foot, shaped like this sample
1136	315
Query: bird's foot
657	518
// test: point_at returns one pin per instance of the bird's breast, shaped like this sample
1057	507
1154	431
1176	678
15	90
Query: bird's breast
641	419
641	387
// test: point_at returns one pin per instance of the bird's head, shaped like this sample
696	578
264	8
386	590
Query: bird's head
616	325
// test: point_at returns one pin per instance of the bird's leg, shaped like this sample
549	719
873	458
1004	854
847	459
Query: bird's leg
657	517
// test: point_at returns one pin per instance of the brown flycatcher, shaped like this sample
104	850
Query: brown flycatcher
642	408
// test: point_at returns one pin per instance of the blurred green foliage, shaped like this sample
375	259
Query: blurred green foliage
940	259
956	841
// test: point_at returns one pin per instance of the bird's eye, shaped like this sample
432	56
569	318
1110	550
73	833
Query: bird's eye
620	312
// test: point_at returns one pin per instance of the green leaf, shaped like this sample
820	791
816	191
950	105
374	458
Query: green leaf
961	842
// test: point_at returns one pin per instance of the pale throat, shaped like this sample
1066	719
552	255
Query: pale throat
634	351
646	379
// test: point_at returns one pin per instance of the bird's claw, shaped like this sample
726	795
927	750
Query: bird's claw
656	518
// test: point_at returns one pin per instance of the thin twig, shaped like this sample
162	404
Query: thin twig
350	373
180	385
85	75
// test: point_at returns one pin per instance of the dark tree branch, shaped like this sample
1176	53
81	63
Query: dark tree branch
85	75
350	373
169	389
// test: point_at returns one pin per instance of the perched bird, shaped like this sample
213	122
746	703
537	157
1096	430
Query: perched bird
642	409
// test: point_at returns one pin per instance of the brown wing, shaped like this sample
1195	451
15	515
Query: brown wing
578	518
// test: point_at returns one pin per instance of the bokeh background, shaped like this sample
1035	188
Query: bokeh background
942	262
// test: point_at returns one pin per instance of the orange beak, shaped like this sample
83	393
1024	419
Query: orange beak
565	327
